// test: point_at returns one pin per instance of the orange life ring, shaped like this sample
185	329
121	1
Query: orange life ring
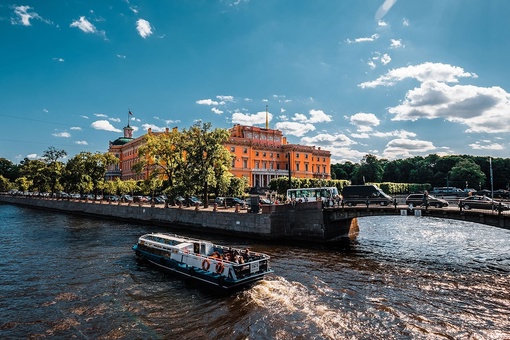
206	264
219	267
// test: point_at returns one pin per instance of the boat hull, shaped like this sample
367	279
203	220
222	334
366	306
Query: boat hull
209	278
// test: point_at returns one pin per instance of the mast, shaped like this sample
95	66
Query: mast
267	119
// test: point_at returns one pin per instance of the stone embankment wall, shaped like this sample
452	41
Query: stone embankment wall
302	222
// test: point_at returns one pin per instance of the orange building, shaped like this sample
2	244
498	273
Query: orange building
259	154
263	154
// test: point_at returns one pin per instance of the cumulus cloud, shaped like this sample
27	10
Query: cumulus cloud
86	26
403	147
62	134
294	128
32	156
217	111
385	59
486	145
100	115
481	109
384	8
314	116
104	125
328	140
226	98
60	60
423	72
153	127
251	119
144	28
81	142
116	120
396	43
364	119
75	128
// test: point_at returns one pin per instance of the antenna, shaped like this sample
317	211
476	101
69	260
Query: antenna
267	119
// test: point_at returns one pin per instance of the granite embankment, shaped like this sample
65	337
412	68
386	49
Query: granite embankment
303	222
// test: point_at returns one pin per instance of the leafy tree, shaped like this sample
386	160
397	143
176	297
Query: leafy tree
36	172
5	185
23	183
466	171
205	153
8	169
163	153
55	168
370	170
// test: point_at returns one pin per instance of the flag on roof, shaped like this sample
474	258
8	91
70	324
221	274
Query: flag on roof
130	113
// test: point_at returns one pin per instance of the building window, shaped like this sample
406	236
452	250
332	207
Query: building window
323	159
277	155
256	165
324	169
271	155
306	156
297	166
257	153
233	163
277	166
245	150
245	163
306	166
297	155
286	166
264	165
264	154
232	149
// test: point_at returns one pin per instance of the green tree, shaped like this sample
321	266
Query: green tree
8	169
466	171
23	183
205	153
54	168
370	170
36	171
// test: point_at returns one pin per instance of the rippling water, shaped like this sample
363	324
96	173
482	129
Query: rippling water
410	277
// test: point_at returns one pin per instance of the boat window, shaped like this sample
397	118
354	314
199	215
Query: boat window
196	248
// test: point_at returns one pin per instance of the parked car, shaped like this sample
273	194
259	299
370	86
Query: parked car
265	201
179	199
229	201
417	200
482	202
158	200
192	200
126	198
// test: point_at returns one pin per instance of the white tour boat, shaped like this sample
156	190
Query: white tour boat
224	267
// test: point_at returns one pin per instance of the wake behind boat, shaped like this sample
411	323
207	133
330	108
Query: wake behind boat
221	266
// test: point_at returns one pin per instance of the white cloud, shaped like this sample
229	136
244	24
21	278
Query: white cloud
482	109
405	22
364	119
328	140
207	102
294	128
486	145
372	38
84	117
62	134
217	111
24	14
32	156
153	127
384	8
422	72
100	115
372	64
226	98
250	119
116	120
385	59
75	128
121	56
396	43
382	23
316	116
104	125
404	148
144	28
81	142
87	27
60	60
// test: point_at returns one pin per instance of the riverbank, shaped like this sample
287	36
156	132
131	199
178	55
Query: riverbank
302	222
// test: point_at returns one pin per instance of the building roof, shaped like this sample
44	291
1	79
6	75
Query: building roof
121	141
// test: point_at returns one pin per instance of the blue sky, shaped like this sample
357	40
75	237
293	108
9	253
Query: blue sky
392	78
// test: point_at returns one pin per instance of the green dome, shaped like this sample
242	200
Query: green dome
122	141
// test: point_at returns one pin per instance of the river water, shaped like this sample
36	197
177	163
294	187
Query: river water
404	277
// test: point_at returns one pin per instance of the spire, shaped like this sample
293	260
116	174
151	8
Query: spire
267	119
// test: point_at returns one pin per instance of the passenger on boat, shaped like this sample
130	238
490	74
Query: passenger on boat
215	255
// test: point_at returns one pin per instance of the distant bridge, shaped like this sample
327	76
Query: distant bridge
487	217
